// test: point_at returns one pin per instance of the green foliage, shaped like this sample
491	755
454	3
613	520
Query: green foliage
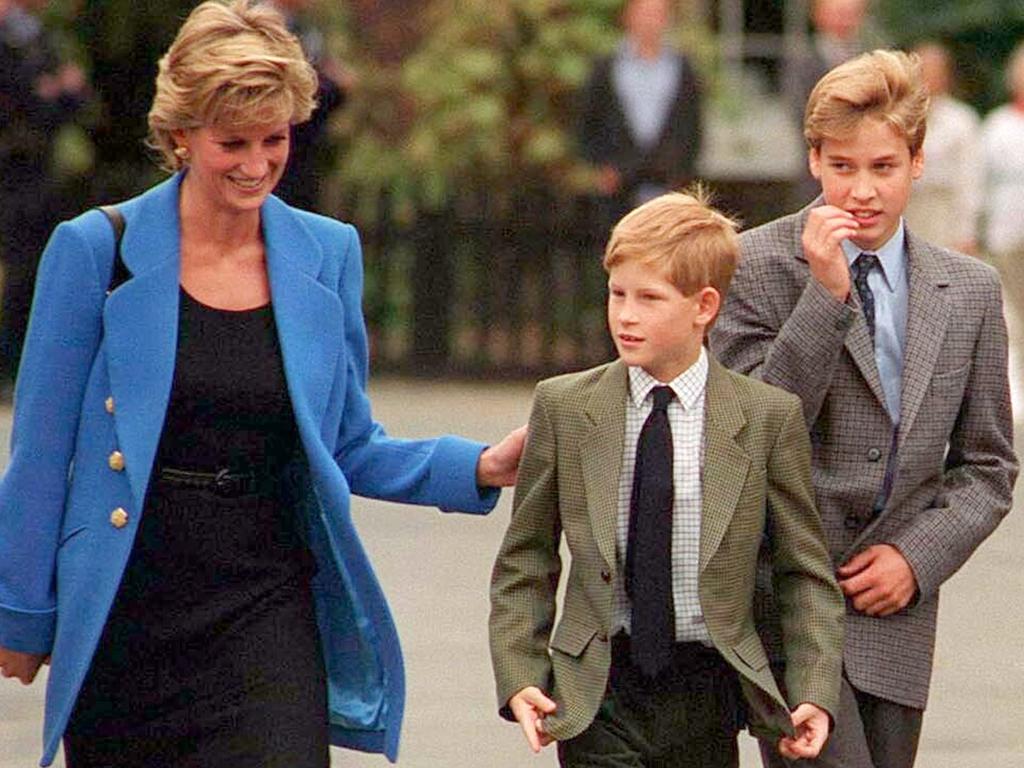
485	102
979	33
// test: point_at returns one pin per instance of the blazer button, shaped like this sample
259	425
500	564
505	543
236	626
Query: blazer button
119	518
116	461
852	522
108	405
606	575
874	454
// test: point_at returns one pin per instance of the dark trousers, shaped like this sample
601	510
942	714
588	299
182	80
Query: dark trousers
686	717
869	733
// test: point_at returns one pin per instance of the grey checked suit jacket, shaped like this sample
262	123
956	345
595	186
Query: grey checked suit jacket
756	449
954	465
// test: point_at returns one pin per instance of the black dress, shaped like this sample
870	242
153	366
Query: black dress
211	656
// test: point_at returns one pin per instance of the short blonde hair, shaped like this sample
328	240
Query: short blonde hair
885	85
695	245
231	64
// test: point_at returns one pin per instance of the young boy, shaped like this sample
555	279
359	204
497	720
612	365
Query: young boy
898	352
656	470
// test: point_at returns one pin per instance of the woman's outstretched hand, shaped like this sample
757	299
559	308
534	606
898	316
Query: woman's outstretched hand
499	465
23	666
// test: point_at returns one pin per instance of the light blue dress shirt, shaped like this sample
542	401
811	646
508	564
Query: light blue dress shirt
891	289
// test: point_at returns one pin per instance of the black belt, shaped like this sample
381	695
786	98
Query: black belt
223	482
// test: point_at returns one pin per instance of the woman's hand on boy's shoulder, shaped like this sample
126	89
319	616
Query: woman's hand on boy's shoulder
811	723
499	464
530	706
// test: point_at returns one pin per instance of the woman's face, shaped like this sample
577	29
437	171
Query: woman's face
235	168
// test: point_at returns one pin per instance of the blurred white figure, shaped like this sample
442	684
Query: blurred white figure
946	202
1003	147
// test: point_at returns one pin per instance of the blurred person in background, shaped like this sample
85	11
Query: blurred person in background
1002	138
946	202
311	141
640	118
197	582
38	94
839	34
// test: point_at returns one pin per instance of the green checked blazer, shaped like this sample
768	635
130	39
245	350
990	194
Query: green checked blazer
756	488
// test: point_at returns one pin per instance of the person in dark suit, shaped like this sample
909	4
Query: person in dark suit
898	351
38	94
301	184
663	472
640	121
175	526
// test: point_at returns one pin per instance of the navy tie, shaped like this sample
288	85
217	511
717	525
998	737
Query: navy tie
862	267
649	543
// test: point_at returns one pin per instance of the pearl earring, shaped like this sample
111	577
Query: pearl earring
182	154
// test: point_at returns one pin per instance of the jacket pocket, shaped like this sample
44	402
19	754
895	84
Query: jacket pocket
70	534
571	638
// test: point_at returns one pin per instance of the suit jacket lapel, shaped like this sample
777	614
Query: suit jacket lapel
140	324
726	464
309	318
927	315
600	449
862	350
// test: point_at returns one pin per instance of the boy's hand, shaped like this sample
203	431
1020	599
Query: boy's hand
879	580
531	706
811	724
827	226
23	666
499	465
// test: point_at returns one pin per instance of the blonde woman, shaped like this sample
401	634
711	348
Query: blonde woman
175	531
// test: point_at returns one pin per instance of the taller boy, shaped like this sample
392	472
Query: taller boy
898	351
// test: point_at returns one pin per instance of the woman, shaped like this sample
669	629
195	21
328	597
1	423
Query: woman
174	522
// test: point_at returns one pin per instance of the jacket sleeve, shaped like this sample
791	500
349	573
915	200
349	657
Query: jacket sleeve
526	572
798	351
980	470
63	336
810	603
438	472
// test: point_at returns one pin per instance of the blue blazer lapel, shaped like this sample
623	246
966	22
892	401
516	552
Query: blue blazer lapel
140	324
309	317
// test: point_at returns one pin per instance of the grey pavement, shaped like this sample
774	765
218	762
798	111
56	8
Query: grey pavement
435	570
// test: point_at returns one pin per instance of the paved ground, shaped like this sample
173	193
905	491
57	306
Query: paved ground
435	569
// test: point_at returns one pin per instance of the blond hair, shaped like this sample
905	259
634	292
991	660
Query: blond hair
231	64
884	85
680	233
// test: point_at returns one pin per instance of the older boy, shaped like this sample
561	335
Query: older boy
898	352
656	469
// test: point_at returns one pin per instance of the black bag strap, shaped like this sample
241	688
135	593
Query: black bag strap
119	272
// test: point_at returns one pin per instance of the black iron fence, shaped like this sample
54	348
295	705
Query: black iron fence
500	288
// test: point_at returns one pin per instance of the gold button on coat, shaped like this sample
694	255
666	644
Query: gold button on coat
119	518
108	404
116	461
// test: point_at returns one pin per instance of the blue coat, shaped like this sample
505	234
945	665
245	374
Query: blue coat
63	548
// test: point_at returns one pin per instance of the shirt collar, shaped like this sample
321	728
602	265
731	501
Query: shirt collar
688	385
890	256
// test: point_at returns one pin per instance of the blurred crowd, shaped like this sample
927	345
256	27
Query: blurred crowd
641	123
